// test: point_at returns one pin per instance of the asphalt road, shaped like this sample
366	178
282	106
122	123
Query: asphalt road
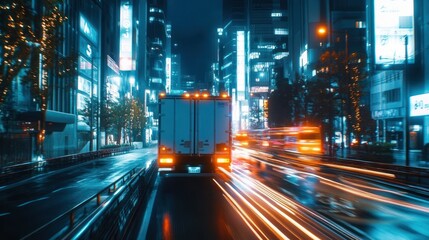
294	197
29	204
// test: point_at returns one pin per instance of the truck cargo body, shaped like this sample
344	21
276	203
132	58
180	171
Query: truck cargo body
194	133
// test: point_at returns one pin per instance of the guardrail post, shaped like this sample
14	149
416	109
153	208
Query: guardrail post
72	219
98	199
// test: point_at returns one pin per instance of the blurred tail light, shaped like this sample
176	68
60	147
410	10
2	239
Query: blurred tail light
166	160
222	160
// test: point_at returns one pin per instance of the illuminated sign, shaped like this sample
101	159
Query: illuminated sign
259	89
419	105
241	65
126	43
303	59
393	20
387	113
88	30
168	75
112	64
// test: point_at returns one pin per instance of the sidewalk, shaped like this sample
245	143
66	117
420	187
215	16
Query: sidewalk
416	159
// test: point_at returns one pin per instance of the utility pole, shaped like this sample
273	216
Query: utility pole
407	105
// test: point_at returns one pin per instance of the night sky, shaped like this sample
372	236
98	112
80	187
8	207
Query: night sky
194	25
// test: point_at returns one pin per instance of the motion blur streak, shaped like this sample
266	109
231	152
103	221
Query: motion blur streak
366	171
302	209
260	215
264	192
372	188
375	197
241	212
263	189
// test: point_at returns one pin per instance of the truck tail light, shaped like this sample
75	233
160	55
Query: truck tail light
222	160
166	160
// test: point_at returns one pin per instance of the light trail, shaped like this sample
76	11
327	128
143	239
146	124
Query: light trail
373	196
241	212
262	195
360	170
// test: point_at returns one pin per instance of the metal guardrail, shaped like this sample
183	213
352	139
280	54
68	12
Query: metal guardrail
405	174
20	171
104	215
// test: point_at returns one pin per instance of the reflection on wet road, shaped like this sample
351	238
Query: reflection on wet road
265	197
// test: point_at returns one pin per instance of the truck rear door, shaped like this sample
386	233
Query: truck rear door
184	129
205	126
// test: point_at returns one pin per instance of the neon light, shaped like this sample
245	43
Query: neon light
241	67
126	36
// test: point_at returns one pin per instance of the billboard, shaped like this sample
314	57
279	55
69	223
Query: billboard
393	21
419	105
241	65
126	37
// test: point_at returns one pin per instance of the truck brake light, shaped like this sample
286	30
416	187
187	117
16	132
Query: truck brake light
222	160
167	160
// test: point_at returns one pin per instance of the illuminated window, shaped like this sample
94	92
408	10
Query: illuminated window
276	14
281	31
254	55
240	61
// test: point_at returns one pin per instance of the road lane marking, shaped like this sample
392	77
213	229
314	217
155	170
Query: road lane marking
148	213
63	188
32	201
4	214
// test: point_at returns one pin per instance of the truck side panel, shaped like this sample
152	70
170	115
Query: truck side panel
223	122
205	126
184	131
167	121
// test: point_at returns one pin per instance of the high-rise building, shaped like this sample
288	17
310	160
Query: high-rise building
399	76
156	60
176	64
254	52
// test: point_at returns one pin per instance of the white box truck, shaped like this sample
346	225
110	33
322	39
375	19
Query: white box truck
194	133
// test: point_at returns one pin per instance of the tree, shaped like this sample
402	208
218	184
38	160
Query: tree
324	92
127	116
119	117
138	120
16	36
280	104
46	59
29	41
299	92
90	115
355	72
106	117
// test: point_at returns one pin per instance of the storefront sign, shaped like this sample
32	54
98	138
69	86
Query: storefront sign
387	113
419	105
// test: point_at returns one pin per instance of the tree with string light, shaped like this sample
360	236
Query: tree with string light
48	38
16	35
29	41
